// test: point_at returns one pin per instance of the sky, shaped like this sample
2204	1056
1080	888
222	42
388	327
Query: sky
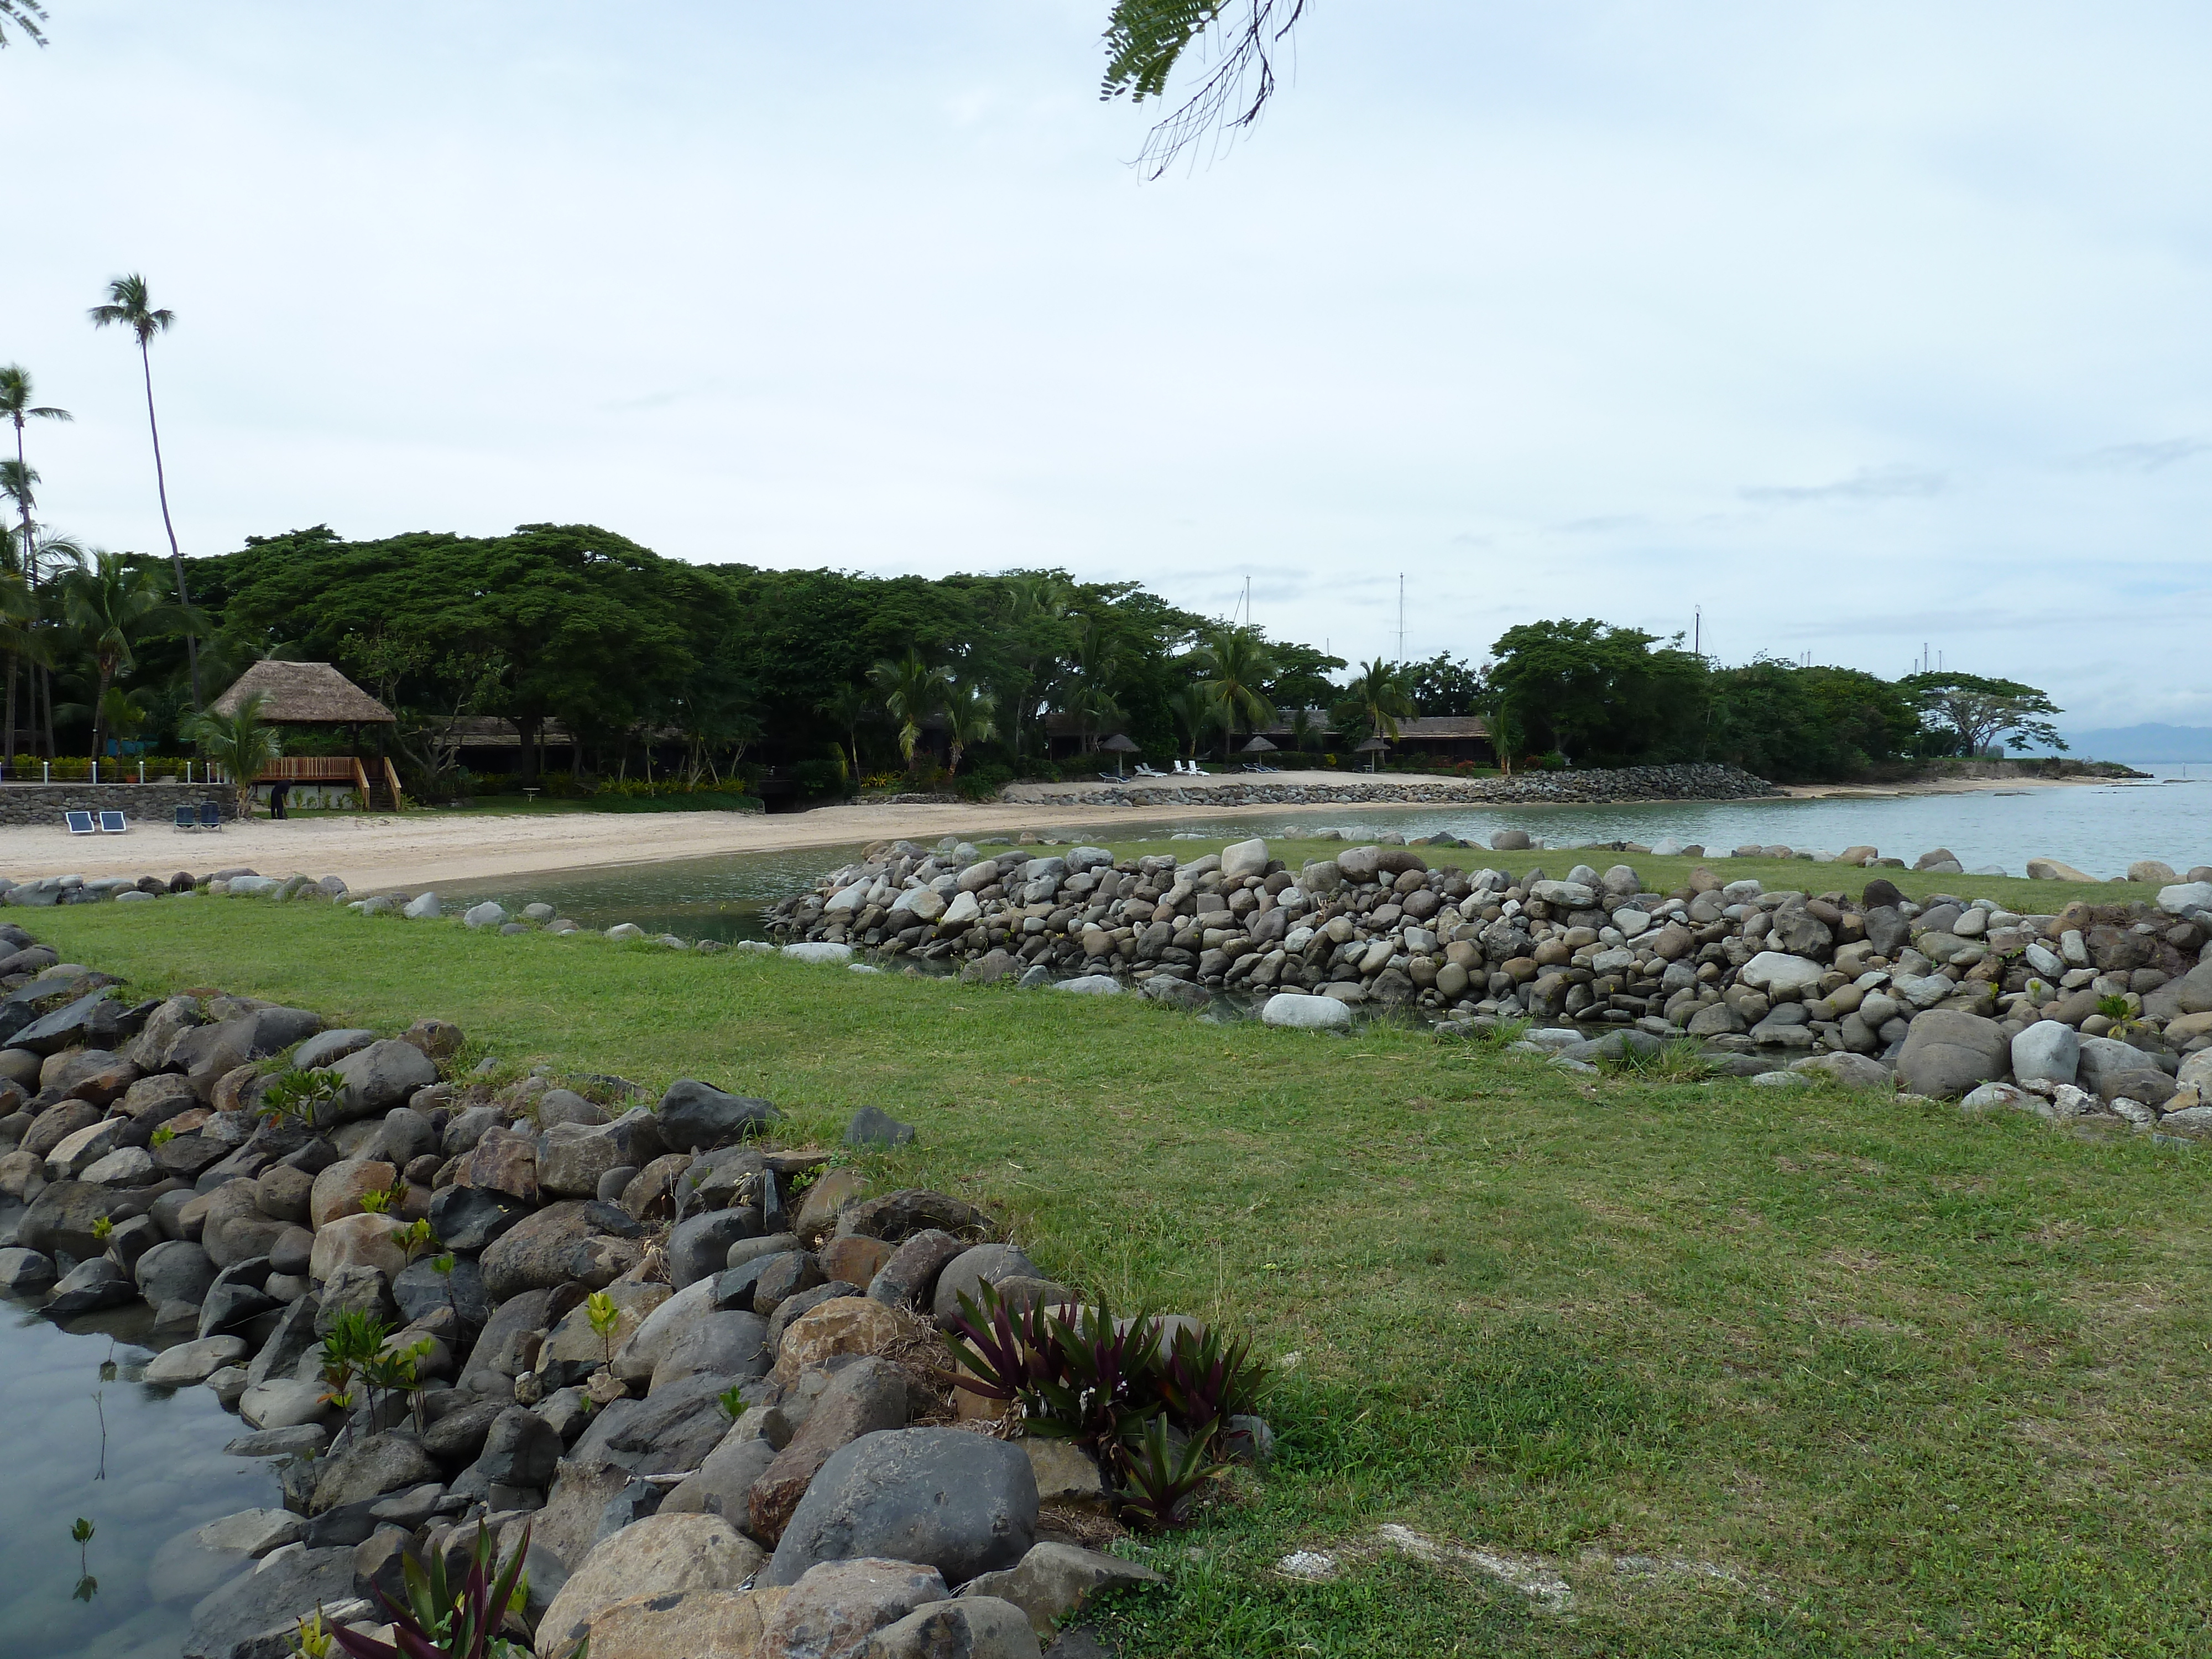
1854	330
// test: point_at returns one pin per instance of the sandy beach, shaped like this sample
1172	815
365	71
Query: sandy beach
418	849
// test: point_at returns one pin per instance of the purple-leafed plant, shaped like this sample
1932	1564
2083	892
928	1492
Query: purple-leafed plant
1111	1374
1003	1352
1205	1381
443	1620
1162	1476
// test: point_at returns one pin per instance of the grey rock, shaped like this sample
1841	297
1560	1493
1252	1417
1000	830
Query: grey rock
520	1449
694	1117
309	1439
2046	1052
723	1482
729	1346
88	1287
2113	1070
967	1273
942	1497
371	1467
421	1289
1851	1071
873	1127
256	1613
966	1627
327	1047
468	1218
288	1344
671	1430
381	1076
25	1273
586	1242
699	1246
193	1362
1946	1053
422	907
909	1278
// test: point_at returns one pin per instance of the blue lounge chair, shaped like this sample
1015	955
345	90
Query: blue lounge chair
188	818
210	816
113	823
79	823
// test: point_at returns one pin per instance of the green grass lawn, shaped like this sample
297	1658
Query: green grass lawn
1846	1376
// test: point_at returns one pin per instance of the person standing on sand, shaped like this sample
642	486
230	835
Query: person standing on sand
277	793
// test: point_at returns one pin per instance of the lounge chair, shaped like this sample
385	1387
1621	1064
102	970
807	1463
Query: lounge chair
1143	771
79	823
113	823
188	817
210	816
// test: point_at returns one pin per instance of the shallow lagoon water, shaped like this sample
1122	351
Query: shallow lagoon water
142	1464
2098	828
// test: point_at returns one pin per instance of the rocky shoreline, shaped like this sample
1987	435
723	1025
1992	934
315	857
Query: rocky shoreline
1936	997
700	1380
1627	783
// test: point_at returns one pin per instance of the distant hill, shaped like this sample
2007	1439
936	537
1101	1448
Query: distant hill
2137	745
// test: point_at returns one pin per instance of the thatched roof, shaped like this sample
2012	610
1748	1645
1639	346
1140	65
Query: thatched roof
303	694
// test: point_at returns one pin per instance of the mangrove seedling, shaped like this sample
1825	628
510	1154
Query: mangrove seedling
164	1136
417	1237
605	1317
301	1097
732	1400
101	1227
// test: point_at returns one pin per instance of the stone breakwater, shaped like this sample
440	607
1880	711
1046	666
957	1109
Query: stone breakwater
745	1447
2098	1010
1628	783
145	804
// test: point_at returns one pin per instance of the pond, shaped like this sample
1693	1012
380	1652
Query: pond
140	1464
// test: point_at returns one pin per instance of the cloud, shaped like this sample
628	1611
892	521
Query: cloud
2144	456
1869	483
1599	526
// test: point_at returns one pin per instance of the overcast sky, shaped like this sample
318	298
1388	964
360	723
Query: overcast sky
1858	325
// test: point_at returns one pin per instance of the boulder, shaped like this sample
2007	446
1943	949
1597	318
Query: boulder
699	1246
589	1242
25	1273
467	1219
255	1615
1851	1071
520	1449
2111	1070
369	1468
339	1189
381	1076
1306	1013
2046	1052
866	1396
723	1484
642	1350
845	1324
694	1117
873	1127
971	1627
909	1278
967	1273
958	1502
667	1432
60	1218
896	1217
572	1158
358	1241
89	1286
694	1624
193	1362
1777	970
1946	1053
92	1074
281	1402
729	1346
836	1606
327	1047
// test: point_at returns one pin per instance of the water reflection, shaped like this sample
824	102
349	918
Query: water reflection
103	1471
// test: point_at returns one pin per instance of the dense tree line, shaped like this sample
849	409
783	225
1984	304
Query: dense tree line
654	664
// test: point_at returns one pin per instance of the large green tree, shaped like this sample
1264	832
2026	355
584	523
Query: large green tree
1600	695
1235	666
1980	710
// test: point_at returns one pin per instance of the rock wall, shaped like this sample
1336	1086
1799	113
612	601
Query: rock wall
147	805
1628	783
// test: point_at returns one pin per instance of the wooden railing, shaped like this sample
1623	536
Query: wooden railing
392	778
309	768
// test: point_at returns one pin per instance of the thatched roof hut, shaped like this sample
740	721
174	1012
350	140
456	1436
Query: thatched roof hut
303	694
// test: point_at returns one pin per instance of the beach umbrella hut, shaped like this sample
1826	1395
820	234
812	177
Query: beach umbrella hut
314	694
1374	745
1119	744
1258	745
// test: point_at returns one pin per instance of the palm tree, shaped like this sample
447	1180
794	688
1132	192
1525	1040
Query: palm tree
25	16
1377	699
1035	619
127	306
1236	663
19	407
1192	711
968	711
238	743
845	708
912	690
111	604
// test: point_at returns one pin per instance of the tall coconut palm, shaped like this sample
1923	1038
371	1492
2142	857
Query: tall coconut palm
912	690
970	718
128	307
24	16
1236	663
19	408
240	743
1194	713
1376	700
112	605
